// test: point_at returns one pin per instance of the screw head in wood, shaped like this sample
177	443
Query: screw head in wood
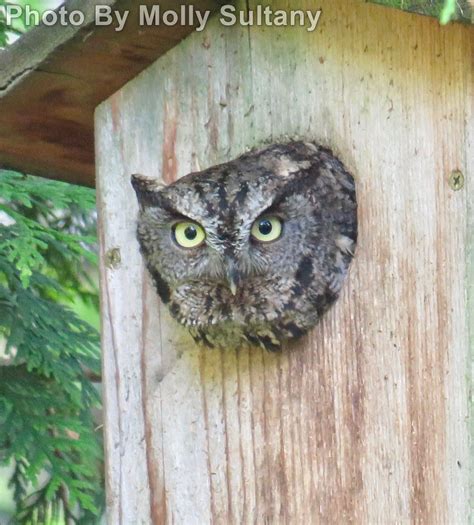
456	180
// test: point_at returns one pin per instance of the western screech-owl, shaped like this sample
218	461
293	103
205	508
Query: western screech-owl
253	251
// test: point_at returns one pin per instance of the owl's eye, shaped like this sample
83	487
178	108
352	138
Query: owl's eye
266	229
189	234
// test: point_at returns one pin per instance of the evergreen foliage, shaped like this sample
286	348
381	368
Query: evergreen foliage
7	32
47	235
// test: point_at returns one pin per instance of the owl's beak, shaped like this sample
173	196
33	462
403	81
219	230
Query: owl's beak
232	275
233	287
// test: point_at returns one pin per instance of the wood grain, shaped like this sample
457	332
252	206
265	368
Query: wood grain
365	421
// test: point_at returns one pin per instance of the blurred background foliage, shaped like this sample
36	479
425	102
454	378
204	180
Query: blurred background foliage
49	350
445	10
9	34
50	431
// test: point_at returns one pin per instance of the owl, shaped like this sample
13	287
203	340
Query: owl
254	251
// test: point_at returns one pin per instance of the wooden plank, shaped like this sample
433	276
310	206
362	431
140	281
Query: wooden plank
52	79
469	146
365	421
463	9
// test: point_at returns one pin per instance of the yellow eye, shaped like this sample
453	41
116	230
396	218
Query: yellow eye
266	229
189	234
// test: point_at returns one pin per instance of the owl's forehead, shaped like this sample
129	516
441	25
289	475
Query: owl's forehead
240	190
229	191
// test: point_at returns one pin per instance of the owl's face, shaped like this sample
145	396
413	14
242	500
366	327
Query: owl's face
257	246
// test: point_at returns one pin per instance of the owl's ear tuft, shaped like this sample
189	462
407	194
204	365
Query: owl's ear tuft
146	188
